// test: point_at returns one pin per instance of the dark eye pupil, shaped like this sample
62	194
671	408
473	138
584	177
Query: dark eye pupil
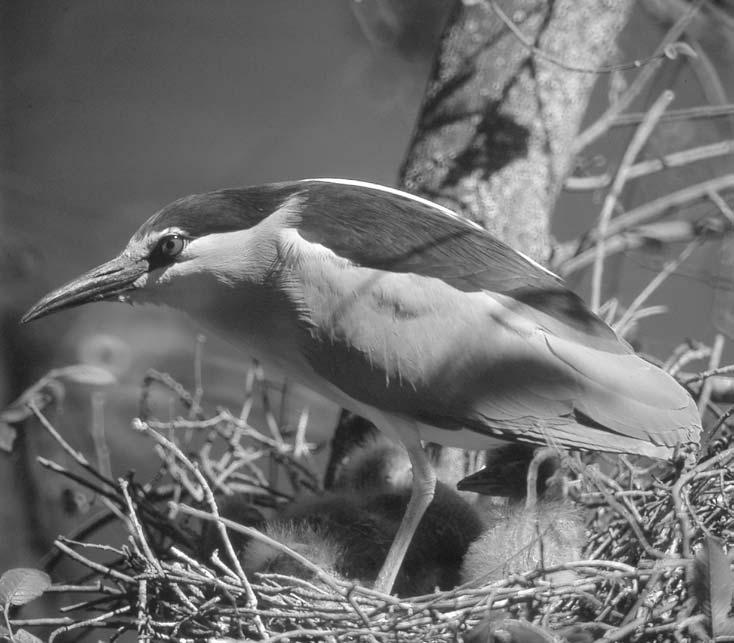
171	246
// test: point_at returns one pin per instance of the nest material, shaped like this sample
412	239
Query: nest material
631	584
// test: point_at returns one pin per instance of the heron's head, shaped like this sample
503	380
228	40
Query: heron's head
186	254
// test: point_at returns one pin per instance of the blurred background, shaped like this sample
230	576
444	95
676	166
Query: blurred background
109	110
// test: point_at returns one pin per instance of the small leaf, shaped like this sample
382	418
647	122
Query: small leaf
44	392
21	585
15	413
24	636
7	437
712	584
86	374
49	389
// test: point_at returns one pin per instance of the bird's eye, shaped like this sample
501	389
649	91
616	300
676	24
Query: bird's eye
171	246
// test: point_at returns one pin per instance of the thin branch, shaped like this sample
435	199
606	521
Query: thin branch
650	166
632	223
633	149
668	269
723	206
705	394
671	51
656	234
140	425
704	375
137	528
605	121
651	209
691	113
76	455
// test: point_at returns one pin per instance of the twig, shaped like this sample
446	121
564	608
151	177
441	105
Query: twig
605	121
652	235
723	206
695	352
153	376
648	211
632	223
86	623
705	394
100	569
668	269
77	456
685	479
140	425
670	51
692	113
57	468
704	375
650	166
633	149
137	527
720	422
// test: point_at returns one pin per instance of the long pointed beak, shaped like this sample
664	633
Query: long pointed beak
108	281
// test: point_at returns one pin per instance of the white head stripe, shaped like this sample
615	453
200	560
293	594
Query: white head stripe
435	206
407	195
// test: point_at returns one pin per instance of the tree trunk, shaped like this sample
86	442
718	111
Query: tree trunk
494	134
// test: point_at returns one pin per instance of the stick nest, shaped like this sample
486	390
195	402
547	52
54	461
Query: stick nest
644	528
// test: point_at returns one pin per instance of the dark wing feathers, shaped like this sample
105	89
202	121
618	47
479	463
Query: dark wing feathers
385	231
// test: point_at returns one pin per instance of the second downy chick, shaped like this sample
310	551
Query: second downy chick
543	532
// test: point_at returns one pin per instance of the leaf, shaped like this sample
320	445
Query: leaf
22	585
15	412
712	583
85	374
24	636
7	437
49	389
44	392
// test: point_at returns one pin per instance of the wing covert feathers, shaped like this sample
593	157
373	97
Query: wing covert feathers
629	396
417	313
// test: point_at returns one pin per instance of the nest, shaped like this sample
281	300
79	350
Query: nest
644	528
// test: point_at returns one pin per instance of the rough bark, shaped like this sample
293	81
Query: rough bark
494	133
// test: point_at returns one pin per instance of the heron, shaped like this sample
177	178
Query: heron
403	312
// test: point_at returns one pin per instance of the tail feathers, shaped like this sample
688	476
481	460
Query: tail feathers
626	396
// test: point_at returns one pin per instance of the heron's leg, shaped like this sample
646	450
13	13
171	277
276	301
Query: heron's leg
424	484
